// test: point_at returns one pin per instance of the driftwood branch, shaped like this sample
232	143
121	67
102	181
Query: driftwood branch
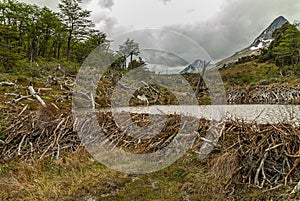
7	84
23	110
35	95
261	166
60	70
150	87
18	97
264	95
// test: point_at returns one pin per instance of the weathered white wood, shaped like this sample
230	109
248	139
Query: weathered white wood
34	94
23	110
60	70
296	189
143	98
7	84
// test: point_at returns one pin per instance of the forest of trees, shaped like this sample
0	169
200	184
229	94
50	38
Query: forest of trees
285	49
29	33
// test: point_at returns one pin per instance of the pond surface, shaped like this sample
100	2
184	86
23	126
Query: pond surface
261	114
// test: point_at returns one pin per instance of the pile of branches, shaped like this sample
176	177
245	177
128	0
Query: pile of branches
37	135
142	144
261	155
264	95
42	134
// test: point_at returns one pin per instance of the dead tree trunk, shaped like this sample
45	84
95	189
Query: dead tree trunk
201	78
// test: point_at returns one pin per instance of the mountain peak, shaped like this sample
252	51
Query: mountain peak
267	35
195	67
262	41
280	18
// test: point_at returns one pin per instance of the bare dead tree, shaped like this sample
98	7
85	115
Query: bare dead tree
201	78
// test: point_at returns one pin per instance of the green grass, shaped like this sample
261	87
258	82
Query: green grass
77	176
257	74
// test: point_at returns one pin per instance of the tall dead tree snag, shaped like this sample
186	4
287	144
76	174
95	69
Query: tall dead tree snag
201	78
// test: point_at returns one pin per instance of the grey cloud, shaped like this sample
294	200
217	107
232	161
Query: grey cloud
165	1
104	21
102	18
163	58
106	3
235	27
51	4
237	24
110	22
163	47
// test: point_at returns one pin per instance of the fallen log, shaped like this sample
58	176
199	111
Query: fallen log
7	84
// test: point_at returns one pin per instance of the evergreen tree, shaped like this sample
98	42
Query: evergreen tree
129	48
10	34
285	49
28	33
84	48
76	21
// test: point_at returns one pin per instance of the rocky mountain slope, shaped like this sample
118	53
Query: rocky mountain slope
262	41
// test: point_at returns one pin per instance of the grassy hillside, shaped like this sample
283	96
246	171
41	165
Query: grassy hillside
255	73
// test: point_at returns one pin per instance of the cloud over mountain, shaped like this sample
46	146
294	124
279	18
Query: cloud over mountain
237	24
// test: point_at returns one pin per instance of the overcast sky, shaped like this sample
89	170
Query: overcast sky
221	27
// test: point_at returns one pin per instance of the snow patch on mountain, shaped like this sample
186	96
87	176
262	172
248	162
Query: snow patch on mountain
267	34
262	44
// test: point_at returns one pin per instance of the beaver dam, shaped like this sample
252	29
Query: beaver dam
264	155
258	147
